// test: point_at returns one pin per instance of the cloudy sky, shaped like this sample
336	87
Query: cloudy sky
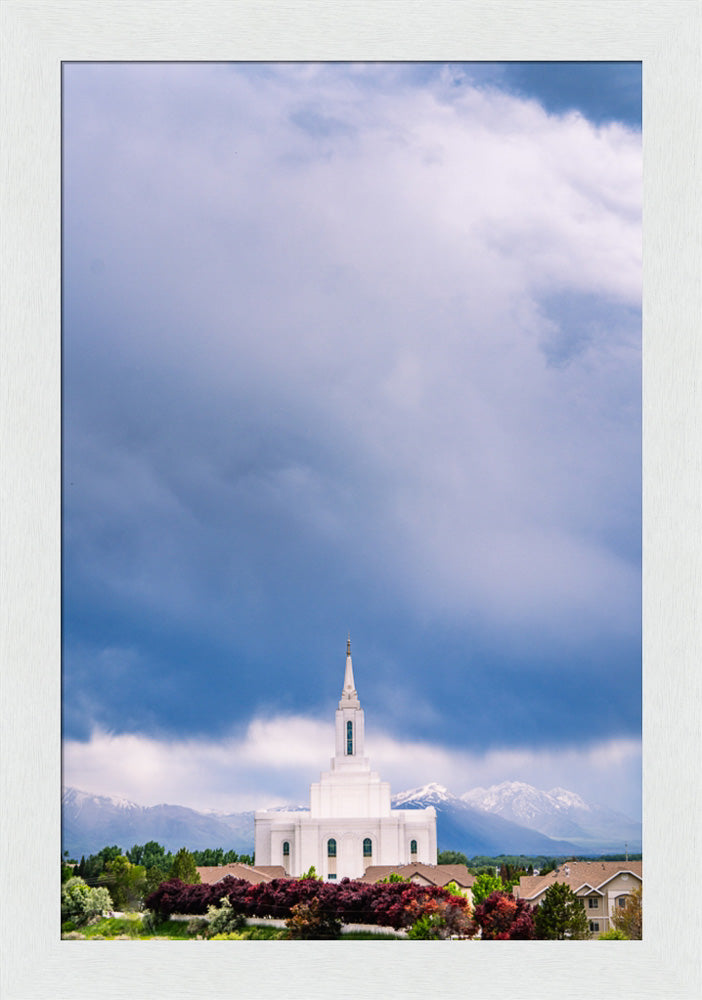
351	347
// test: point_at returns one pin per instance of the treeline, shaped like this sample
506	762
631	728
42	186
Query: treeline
510	867
151	855
132	875
525	864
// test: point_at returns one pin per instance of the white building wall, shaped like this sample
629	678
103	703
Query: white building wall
308	837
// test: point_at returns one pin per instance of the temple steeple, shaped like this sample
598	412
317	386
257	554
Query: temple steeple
350	825
349	697
349	723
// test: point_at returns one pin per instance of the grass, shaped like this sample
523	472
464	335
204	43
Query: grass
131	928
113	928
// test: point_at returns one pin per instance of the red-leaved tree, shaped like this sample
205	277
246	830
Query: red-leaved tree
501	917
395	904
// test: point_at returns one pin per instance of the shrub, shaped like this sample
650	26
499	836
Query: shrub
310	921
223	919
614	934
430	927
149	922
397	904
442	919
198	927
80	903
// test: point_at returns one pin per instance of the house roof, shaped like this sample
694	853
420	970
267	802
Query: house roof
436	874
583	877
263	873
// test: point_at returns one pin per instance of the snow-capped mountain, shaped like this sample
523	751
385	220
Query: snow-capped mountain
510	818
461	827
430	795
91	822
557	813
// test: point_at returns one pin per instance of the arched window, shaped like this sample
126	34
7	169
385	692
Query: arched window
331	848
367	848
413	846
349	738
286	848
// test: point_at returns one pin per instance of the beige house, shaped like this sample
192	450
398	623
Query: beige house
603	886
210	874
421	874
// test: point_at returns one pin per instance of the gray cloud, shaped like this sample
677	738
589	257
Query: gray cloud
320	329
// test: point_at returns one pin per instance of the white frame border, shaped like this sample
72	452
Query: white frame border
36	37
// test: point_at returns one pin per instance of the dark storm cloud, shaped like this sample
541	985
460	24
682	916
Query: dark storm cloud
343	349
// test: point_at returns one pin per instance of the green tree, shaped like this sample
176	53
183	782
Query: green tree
629	919
452	858
127	883
484	886
154	877
93	866
560	915
150	855
312	873
184	868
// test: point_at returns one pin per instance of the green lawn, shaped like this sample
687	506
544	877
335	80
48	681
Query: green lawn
131	928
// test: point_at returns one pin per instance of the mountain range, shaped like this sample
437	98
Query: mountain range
510	818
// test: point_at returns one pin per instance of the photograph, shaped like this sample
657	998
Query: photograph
351	500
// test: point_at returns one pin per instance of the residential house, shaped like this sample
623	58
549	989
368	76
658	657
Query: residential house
603	887
422	874
211	874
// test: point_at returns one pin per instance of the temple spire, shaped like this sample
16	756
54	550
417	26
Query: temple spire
349	697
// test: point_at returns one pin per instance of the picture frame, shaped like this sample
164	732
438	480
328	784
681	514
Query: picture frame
37	38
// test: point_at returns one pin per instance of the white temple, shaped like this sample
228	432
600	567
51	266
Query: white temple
350	824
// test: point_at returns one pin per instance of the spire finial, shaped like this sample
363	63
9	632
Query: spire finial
348	645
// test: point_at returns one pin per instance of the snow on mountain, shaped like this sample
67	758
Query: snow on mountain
430	794
557	813
91	822
462	827
74	798
510	818
570	800
523	803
